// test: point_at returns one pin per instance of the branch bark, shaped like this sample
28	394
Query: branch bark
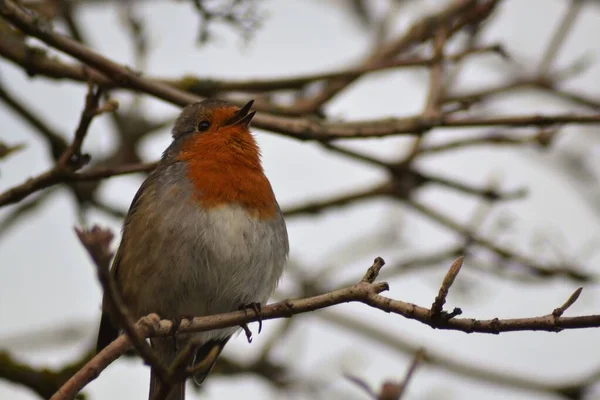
367	291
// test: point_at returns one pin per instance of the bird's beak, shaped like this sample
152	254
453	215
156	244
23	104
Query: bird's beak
242	117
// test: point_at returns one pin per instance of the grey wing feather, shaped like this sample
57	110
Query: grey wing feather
108	331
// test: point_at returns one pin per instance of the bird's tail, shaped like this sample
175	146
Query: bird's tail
106	333
177	390
205	358
202	363
166	353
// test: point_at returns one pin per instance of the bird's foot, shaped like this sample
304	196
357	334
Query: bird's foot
247	331
175	329
256	307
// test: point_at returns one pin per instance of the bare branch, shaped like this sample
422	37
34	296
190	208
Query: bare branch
440	300
411	371
362	292
97	243
558	312
559	36
303	129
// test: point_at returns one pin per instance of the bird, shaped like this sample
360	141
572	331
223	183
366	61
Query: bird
204	235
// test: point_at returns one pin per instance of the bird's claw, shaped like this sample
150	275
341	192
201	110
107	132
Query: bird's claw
248	332
175	329
173	333
257	308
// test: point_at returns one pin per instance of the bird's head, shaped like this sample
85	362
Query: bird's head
210	117
217	132
222	158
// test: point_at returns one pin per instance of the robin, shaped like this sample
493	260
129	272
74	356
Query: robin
203	235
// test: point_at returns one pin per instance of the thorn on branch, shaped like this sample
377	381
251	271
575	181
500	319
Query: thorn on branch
373	270
97	243
558	312
440	300
6	150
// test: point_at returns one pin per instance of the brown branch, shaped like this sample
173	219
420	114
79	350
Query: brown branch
543	138
108	172
210	87
303	129
30	186
547	323
573	97
394	341
306	129
151	325
528	264
43	381
361	384
56	175
417	263
406	176
177	371
319	206
548	84
56	142
436	76
46	381
335	126
485	193
417	359
559	36
6	150
391	390
71	158
440	300
419	32
97	242
22	210
558	312
33	25
97	364
366	291
36	62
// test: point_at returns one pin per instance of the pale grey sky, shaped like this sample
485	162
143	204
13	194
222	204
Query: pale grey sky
47	279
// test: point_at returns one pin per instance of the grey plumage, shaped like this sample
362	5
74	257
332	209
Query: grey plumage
177	259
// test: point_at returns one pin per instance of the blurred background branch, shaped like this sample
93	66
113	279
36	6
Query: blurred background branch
463	78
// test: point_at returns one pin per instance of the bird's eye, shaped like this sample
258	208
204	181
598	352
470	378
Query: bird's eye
203	125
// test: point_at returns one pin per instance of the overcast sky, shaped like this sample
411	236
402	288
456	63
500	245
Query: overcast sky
48	281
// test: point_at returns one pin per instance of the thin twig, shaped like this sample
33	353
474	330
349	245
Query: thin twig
559	36
97	243
558	312
362	292
418	358
299	128
55	176
528	264
440	300
436	76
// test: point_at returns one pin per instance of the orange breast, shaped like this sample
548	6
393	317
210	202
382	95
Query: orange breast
225	168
